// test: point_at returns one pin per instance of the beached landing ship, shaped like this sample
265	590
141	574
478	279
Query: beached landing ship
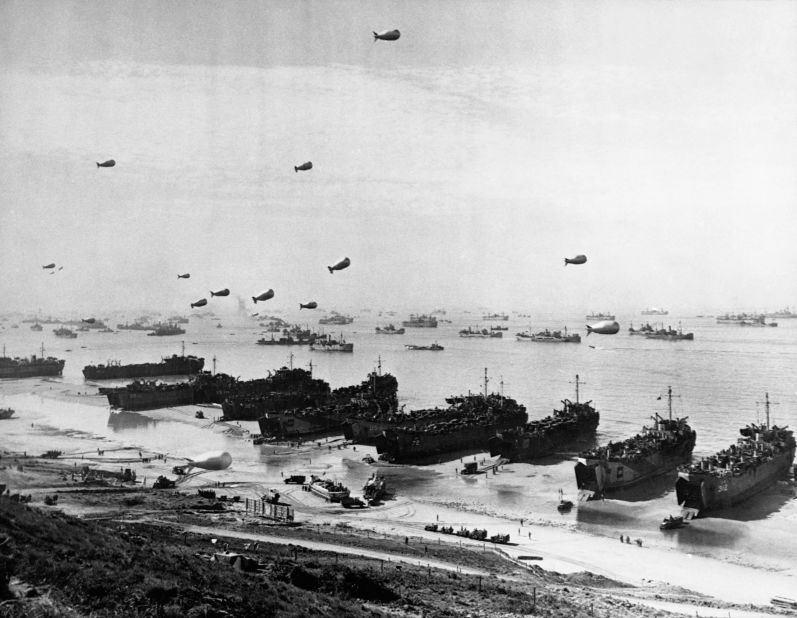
759	458
543	437
173	365
149	395
329	413
471	421
658	449
30	367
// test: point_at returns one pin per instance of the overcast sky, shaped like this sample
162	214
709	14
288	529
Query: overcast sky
456	167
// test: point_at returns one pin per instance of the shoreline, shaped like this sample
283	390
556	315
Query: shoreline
331	530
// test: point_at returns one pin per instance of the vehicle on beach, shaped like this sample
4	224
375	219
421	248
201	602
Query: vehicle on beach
671	523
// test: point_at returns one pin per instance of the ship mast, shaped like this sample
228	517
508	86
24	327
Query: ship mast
766	403
576	388
669	400
290	360
486	382
183	346
311	368
214	364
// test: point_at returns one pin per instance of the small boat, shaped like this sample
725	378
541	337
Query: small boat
6	413
564	505
671	523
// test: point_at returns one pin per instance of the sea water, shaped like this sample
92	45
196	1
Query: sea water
719	381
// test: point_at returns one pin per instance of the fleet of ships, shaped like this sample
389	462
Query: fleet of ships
289	404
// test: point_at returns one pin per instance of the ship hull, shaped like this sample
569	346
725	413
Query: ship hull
409	446
150	399
528	446
175	366
708	492
32	370
600	476
292	426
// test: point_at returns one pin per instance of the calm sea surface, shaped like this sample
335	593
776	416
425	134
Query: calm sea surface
719	381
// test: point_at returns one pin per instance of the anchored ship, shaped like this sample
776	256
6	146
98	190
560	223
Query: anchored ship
597	317
435	347
642	330
670	334
481	334
470	422
30	367
542	437
172	365
327	344
420	321
389	330
496	316
759	458
65	333
165	330
658	449
337	319
655	311
547	336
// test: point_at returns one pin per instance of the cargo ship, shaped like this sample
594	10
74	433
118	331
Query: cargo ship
759	458
420	321
148	395
657	450
655	311
288	340
30	367
548	336
543	437
470	422
596	317
172	365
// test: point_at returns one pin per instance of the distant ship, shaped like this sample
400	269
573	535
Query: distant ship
784	314
670	334
173	365
65	333
495	316
6	413
327	344
597	317
420	321
736	318
289	340
389	330
30	367
542	437
165	330
642	330
655	311
337	319
547	336
134	326
36	327
758	322
759	458
435	347
658	449
481	334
